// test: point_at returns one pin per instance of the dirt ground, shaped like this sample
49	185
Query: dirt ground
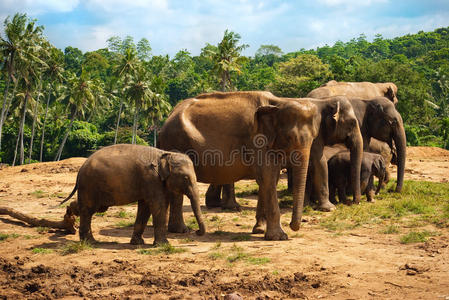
313	264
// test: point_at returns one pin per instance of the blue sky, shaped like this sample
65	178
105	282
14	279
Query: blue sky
172	25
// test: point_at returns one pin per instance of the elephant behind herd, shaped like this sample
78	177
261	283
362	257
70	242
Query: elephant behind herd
253	135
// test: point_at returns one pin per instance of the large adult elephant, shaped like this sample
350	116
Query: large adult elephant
364	90
338	124
237	135
379	119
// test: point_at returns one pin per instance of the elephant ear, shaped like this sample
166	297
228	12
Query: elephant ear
164	166
390	93
265	121
333	115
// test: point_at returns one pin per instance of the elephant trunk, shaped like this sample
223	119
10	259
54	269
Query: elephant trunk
194	197
401	143
356	148
299	184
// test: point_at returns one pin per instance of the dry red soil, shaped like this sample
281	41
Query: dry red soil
313	264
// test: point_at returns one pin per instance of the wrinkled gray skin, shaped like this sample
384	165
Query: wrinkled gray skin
379	119
388	154
339	175
232	124
337	124
123	174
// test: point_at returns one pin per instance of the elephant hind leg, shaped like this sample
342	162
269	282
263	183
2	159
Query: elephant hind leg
143	214
229	201
213	196
85	229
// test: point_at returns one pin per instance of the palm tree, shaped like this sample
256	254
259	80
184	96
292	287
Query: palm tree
125	69
10	45
79	98
227	59
160	107
138	90
28	64
54	75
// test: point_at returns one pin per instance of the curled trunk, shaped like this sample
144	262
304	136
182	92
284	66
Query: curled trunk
299	185
356	148
194	197
400	142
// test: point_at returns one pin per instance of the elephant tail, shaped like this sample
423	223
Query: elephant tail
71	194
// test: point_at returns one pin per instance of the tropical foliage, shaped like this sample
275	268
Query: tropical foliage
56	104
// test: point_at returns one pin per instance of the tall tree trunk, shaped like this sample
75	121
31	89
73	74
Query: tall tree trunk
118	120
34	122
223	81
22	127
8	105
43	127
134	138
154	136
15	150
61	147
2	114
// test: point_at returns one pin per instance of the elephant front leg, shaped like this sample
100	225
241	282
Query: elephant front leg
229	201
143	214
176	220
268	197
213	196
159	210
370	189
260	218
320	184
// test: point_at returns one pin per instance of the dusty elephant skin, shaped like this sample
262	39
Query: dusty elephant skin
365	90
379	119
241	124
336	124
339	175
122	174
388	154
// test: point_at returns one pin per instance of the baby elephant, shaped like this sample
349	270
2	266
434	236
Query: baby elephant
122	174
339	175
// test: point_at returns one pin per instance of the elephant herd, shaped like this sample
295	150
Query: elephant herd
324	140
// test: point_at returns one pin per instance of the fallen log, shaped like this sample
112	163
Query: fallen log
68	223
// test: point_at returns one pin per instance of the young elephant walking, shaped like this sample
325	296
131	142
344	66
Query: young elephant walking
122	174
339	175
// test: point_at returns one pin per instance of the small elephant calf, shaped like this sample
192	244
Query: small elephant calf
123	174
339	167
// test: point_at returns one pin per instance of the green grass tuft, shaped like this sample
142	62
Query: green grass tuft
215	255
419	204
75	247
124	224
258	260
162	249
41	251
417	237
5	236
192	224
390	229
39	194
